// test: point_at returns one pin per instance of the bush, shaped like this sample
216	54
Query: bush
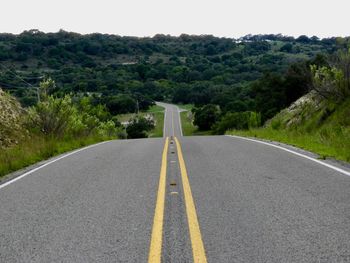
333	83
206	116
237	120
55	116
138	127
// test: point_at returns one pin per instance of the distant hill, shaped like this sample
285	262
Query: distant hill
159	67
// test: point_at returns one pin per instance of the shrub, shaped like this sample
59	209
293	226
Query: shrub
55	116
206	116
138	127
238	121
333	83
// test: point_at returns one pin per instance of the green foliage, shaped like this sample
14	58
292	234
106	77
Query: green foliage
138	127
55	125
121	104
237	120
36	148
325	129
333	83
55	116
187	69
206	116
46	87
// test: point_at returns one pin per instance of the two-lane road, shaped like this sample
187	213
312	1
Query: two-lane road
213	198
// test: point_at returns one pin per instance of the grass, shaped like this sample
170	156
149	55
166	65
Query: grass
325	131
187	107
37	149
188	128
333	146
158	130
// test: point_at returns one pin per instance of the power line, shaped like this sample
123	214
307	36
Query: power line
20	78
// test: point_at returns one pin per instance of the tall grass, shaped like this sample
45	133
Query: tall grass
186	123
325	131
39	148
330	145
159	120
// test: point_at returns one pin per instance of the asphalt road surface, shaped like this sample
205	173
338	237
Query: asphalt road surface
177	199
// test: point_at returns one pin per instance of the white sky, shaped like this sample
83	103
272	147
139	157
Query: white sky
230	18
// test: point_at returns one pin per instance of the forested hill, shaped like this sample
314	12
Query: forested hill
188	69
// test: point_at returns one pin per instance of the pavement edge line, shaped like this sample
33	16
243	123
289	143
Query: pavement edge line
48	163
296	153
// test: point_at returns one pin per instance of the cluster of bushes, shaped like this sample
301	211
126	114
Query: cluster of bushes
210	117
238	121
69	117
55	125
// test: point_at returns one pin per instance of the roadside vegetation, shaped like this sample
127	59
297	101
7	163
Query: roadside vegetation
55	125
329	138
52	126
187	121
154	127
320	120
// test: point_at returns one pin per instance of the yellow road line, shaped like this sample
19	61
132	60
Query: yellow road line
195	233
155	252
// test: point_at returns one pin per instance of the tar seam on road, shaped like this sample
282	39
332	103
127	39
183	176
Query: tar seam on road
198	250
48	163
155	251
296	153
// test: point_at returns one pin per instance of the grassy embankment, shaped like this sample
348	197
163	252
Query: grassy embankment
37	149
158	114
188	129
325	132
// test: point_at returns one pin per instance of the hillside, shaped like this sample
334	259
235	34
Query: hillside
185	69
316	125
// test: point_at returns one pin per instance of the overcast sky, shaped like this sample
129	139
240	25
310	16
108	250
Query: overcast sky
229	18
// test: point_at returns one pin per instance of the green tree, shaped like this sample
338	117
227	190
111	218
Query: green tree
120	104
138	127
206	116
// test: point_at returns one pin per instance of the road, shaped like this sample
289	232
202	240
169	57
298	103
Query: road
177	199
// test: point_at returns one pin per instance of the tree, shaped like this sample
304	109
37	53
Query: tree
287	48
120	104
206	116
269	95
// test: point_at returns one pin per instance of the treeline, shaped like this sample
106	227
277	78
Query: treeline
185	69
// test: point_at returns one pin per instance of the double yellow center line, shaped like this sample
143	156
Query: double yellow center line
155	252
